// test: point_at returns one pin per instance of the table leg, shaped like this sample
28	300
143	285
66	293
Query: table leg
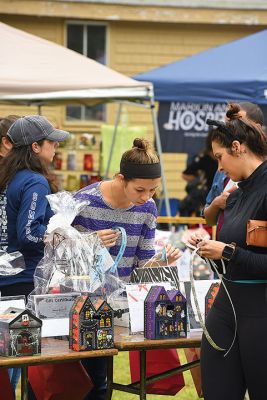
24	382
109	378
143	375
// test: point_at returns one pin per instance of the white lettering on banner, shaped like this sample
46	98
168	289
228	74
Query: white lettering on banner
192	116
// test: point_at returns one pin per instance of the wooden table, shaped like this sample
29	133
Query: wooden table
53	351
126	342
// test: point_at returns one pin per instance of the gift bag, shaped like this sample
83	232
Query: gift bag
158	361
156	274
5	388
66	381
193	355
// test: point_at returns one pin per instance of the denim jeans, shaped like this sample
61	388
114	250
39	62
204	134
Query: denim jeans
97	369
14	375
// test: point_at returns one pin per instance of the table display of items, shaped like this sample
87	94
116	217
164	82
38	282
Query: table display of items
74	164
91	324
20	333
165	313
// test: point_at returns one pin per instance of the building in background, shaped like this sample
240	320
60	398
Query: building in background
130	36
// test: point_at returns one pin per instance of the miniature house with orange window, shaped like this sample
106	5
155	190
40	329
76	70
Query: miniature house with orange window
20	333
91	324
165	314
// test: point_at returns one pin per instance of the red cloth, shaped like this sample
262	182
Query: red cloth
6	392
65	381
158	361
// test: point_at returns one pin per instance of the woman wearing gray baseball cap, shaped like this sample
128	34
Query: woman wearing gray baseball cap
24	183
25	180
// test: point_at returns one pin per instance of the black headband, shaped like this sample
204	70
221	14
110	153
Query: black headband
143	171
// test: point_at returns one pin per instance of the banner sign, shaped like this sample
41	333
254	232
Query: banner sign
183	127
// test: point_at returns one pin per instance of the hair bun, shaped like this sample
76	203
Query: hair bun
141	144
233	111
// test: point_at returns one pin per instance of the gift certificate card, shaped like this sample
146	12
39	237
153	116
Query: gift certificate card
54	305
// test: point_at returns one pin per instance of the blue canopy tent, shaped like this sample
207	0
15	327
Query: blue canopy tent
233	71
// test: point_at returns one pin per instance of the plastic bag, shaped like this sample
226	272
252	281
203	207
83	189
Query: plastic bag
11	263
74	261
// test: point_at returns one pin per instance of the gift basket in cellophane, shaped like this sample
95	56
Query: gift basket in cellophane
74	261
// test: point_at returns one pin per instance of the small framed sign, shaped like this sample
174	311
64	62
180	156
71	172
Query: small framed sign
56	306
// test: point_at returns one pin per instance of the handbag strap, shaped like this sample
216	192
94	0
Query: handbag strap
201	320
114	267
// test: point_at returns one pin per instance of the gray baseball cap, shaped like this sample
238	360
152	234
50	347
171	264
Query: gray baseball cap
32	128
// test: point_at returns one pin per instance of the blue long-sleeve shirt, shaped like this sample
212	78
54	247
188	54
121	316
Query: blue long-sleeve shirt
28	213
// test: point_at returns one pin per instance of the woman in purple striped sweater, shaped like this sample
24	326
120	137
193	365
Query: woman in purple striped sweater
124	201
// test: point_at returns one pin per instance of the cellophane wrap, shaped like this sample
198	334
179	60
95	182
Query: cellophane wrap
73	261
11	263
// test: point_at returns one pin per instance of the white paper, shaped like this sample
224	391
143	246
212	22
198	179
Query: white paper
202	287
136	294
12	301
55	327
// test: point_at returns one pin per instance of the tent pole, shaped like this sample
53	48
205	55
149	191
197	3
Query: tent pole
113	140
159	149
39	109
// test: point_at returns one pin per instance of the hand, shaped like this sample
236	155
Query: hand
172	253
195	238
210	249
108	237
220	201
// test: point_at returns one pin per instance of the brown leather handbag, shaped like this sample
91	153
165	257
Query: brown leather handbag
256	233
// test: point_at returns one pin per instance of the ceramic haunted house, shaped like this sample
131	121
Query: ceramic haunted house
91	324
165	314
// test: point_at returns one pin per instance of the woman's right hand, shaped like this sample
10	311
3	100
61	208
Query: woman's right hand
108	237
196	238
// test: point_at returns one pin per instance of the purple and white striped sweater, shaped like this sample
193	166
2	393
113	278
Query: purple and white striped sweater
138	221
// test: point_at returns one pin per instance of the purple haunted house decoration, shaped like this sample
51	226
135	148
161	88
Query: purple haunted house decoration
165	314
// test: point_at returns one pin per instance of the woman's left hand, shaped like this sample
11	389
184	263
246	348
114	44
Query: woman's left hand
210	249
172	253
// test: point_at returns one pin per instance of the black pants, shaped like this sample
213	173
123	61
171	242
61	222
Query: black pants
97	369
245	365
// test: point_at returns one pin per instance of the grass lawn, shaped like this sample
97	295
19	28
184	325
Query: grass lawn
122	375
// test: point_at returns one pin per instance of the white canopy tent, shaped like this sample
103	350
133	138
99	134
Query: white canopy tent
34	71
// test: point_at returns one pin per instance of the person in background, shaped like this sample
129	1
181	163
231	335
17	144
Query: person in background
237	321
5	147
5	144
198	175
24	184
124	201
217	196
